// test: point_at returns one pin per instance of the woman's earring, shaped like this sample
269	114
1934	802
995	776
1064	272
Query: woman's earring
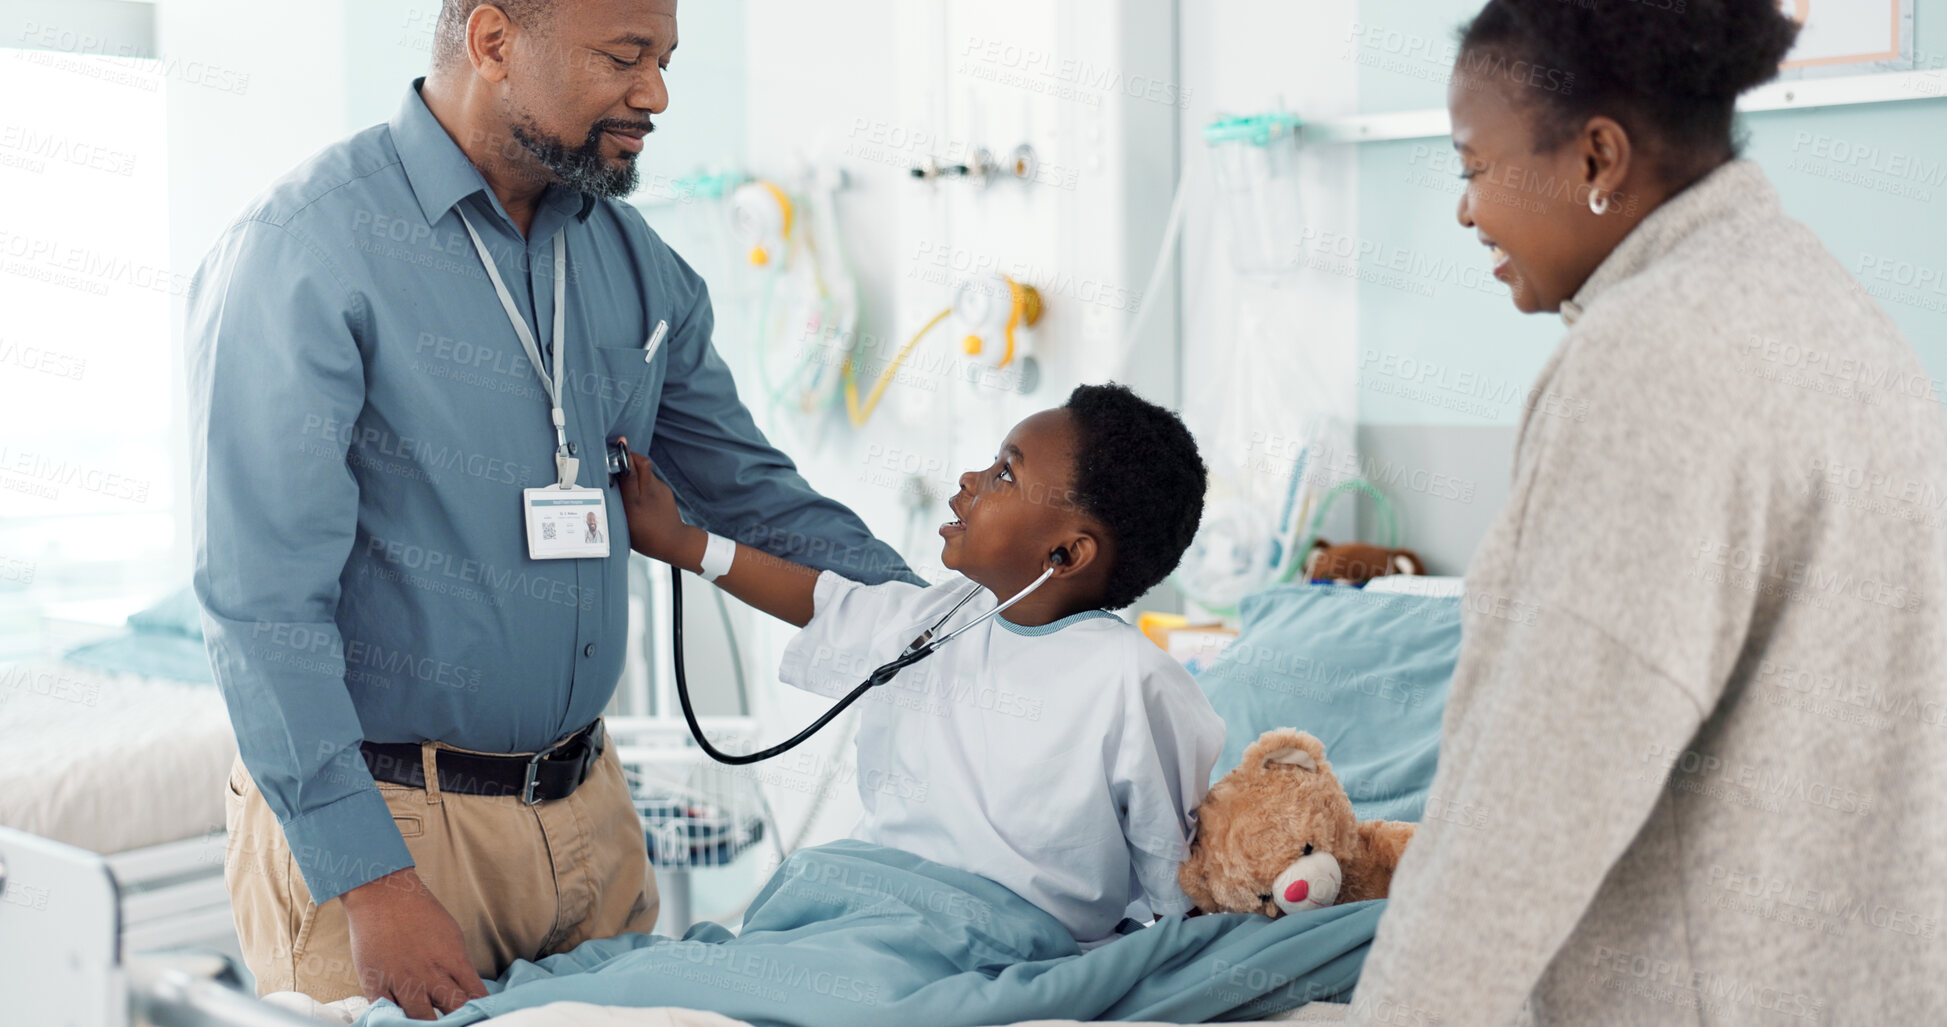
1598	207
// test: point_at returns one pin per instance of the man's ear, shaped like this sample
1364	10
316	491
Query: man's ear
487	42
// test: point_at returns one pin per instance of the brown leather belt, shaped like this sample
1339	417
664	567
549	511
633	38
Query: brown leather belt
552	773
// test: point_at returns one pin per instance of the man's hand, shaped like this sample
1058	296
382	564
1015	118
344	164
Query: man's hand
656	529
407	947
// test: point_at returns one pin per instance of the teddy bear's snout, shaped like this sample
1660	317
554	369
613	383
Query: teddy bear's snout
1310	883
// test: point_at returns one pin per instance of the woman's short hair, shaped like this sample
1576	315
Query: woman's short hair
1669	71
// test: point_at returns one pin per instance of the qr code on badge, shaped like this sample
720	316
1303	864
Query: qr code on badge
547	531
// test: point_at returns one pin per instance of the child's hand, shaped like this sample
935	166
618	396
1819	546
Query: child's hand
656	529
778	587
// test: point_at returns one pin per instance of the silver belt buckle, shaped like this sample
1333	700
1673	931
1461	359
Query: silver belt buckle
527	785
534	769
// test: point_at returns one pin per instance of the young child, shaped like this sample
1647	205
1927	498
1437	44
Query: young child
1052	749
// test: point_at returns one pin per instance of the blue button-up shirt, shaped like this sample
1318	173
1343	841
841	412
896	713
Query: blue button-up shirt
363	420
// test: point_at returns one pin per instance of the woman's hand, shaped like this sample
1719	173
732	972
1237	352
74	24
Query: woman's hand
656	529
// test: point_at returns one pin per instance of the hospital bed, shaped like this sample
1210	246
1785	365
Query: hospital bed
121	746
130	766
62	962
62	952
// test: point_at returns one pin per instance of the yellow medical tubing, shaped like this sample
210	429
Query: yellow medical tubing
860	416
1024	309
758	255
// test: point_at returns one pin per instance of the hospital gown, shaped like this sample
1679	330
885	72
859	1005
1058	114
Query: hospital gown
1063	761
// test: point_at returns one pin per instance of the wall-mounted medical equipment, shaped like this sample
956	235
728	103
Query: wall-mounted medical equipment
1237	551
1256	164
763	216
981	168
1230	556
1023	163
994	314
807	317
1241	546
700	185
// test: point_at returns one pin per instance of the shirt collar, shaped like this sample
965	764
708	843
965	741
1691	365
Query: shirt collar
1053	626
440	173
1734	189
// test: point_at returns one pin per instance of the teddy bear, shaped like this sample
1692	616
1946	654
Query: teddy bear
1277	835
1355	563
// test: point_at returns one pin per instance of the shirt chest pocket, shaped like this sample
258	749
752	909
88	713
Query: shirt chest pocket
621	390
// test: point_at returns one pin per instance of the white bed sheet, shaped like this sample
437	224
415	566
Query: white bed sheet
107	761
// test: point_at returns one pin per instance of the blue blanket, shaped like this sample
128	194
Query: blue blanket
1366	673
853	935
162	641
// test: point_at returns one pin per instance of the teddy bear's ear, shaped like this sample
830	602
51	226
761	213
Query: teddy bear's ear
1292	757
1280	747
1313	558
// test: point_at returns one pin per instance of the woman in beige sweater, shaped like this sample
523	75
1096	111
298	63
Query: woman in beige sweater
1698	728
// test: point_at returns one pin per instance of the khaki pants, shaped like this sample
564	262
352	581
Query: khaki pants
522	881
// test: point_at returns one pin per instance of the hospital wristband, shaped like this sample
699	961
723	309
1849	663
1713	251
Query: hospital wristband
717	557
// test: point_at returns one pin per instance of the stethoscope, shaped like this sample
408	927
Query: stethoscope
920	648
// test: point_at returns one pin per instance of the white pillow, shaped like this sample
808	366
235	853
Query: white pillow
1415	585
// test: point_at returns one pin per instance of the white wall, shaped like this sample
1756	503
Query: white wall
287	100
388	43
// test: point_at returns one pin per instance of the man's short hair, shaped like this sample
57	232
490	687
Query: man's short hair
449	35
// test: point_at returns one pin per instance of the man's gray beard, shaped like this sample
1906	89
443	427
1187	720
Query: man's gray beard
583	168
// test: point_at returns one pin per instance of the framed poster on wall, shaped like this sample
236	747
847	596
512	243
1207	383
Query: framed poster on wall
1849	36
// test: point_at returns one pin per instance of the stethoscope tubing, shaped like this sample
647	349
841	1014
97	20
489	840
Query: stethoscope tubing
922	647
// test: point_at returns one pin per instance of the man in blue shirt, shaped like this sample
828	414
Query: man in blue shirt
364	420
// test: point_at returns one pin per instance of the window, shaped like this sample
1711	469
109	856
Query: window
88	406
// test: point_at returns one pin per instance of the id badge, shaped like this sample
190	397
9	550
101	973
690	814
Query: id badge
565	524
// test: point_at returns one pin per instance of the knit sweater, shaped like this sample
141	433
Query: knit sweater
1693	768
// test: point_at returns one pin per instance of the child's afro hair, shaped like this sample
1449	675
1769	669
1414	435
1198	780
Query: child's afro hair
1138	473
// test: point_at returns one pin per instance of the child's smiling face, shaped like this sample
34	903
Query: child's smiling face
1011	514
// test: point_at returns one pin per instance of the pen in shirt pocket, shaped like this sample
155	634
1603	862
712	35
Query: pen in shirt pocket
655	341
